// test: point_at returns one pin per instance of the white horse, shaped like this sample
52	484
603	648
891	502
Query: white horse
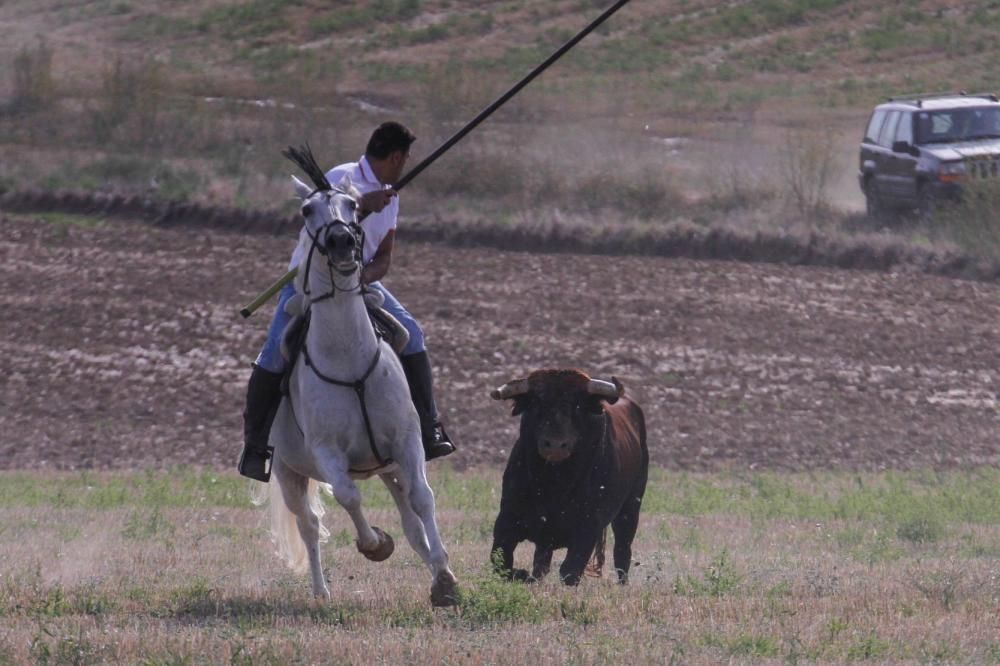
348	413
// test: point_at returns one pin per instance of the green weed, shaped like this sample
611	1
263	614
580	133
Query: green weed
718	579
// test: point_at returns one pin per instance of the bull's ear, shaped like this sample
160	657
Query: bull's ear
520	404
620	389
595	404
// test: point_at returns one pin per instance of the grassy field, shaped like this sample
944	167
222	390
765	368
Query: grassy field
742	114
176	568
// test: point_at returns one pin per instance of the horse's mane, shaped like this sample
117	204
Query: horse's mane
303	157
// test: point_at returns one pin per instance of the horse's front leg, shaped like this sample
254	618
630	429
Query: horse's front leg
372	542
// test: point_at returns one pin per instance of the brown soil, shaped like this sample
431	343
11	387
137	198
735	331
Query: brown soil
123	348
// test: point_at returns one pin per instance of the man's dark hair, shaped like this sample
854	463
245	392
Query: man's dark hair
387	139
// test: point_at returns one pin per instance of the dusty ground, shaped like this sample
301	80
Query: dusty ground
122	348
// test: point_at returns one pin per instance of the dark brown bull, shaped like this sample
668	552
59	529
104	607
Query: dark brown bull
579	463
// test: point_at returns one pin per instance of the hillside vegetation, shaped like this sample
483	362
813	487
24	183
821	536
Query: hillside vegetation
743	112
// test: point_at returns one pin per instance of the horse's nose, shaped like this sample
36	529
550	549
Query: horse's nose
340	242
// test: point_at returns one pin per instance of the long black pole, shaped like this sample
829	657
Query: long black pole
500	101
444	147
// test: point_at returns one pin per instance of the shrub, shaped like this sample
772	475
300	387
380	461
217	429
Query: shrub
34	88
973	222
807	165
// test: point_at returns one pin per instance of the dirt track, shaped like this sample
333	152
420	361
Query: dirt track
122	349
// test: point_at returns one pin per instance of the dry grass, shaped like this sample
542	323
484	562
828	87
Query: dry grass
194	101
142	568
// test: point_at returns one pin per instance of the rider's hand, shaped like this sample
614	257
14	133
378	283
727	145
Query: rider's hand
374	202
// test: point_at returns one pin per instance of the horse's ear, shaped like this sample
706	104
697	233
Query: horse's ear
301	189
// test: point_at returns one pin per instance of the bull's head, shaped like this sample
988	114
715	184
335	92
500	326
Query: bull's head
561	410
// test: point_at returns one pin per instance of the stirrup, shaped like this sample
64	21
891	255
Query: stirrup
256	464
438	444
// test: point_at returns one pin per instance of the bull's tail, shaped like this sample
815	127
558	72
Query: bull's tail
595	567
284	528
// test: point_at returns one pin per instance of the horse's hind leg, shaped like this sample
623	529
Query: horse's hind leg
444	589
299	497
412	525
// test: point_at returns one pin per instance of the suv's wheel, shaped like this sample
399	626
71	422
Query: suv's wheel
926	203
873	202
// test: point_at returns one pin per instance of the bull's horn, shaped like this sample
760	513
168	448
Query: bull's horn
603	389
510	389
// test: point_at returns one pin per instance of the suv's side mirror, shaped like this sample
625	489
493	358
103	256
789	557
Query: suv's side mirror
904	147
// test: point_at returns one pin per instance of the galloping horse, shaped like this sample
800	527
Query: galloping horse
348	413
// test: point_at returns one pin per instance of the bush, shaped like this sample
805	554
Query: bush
974	222
129	103
34	88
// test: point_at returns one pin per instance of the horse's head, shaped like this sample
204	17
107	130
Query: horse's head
331	220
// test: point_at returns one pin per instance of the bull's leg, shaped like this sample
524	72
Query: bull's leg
578	554
294	491
542	563
624	526
505	540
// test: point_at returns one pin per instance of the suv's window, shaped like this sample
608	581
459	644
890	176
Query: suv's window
904	132
889	129
874	125
953	125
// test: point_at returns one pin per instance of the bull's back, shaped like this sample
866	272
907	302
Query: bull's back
627	438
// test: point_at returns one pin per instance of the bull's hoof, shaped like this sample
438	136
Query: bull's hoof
444	591
520	575
382	551
571	579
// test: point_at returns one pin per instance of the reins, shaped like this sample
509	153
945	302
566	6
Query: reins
359	385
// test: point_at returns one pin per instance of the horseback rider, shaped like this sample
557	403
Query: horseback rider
373	175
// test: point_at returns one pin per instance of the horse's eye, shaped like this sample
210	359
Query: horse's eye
307	210
352	204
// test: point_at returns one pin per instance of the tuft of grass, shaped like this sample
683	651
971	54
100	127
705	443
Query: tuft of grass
68	220
490	600
719	579
144	526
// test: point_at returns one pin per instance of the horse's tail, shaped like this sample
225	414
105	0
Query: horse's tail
285	530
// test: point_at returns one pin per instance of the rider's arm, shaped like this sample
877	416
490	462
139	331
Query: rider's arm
379	265
375	201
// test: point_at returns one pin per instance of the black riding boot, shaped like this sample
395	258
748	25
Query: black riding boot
263	397
418	375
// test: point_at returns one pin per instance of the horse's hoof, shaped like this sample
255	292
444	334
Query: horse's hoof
444	591
383	550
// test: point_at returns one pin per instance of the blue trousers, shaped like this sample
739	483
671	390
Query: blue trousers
270	355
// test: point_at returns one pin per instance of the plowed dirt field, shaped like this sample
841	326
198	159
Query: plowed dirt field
122	348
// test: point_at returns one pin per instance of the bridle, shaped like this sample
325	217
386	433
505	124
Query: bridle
358	234
352	226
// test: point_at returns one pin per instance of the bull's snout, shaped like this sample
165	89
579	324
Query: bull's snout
555	448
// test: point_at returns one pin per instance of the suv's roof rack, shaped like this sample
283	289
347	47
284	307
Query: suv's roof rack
918	98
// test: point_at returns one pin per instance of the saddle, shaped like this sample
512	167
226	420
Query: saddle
386	327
